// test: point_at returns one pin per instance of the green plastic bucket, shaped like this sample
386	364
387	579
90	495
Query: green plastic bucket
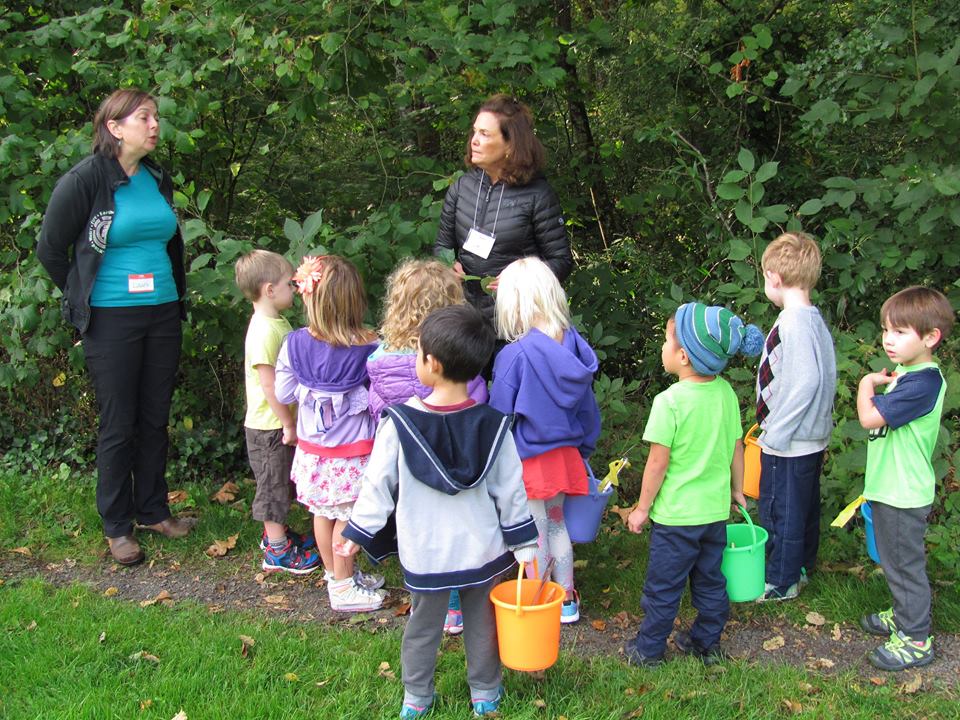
744	560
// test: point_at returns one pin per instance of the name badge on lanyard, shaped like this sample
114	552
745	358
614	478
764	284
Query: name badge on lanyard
479	243
140	283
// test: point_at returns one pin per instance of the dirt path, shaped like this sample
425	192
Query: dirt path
820	645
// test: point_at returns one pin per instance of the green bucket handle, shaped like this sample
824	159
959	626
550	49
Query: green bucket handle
753	528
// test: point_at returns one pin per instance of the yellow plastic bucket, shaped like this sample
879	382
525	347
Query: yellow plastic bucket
751	464
528	634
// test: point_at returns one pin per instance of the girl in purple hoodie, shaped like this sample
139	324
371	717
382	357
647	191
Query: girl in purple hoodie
323	368
414	290
545	378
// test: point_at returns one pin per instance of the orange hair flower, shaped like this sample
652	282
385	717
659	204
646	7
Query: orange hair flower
309	274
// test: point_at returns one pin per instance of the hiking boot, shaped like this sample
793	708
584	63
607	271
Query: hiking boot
772	593
172	527
347	596
291	559
125	550
902	652
487	707
881	623
635	657
711	656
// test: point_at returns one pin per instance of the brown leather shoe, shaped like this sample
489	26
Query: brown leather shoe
172	527
125	550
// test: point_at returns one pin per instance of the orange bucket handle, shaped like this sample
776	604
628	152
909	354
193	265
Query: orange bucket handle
520	585
752	433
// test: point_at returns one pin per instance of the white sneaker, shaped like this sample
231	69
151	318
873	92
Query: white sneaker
347	596
365	580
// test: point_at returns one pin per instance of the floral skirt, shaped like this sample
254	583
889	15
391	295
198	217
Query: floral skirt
326	484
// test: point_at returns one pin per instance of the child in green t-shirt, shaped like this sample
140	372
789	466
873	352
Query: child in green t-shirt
694	468
904	422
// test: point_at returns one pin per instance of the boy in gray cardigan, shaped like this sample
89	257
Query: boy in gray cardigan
449	472
796	384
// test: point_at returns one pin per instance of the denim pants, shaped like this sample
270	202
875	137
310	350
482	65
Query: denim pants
790	513
132	354
679	553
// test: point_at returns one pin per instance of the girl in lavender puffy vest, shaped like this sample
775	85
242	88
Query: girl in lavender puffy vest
414	290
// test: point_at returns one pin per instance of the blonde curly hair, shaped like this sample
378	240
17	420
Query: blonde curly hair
414	290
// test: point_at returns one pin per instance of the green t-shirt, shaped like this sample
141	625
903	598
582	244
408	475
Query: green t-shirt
899	455
264	337
700	423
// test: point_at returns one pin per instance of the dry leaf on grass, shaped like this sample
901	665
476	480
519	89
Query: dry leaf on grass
580	564
878	681
275	599
32	625
222	547
110	592
792	706
815	618
291	677
912	685
144	704
540	703
774	643
246	644
226	494
25	551
144	655
598	625
385	671
632	713
163	597
835	633
402	609
822	663
176	496
180	716
102	638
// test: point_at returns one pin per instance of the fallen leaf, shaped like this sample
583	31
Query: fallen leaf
807	687
110	592
180	716
144	704
774	643
632	714
226	494
878	681
580	564
793	706
176	496
912	685
624	513
629	691
815	618
291	677
32	625
22	551
222	547
624	564
59	380
358	618
259	578
539	703
836	634
162	597
144	655
214	609
246	643
598	625
103	637
825	663
402	609
275	599
385	671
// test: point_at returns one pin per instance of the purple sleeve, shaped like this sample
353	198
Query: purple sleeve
477	389
914	395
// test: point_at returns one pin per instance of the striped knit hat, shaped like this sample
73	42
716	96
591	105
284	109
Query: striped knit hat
711	335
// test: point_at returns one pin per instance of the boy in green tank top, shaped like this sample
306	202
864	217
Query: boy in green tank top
694	469
904	421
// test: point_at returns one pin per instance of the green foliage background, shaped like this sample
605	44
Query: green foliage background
683	136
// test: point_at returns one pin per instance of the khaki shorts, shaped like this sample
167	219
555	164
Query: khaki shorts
270	461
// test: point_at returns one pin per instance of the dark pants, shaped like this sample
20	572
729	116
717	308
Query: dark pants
899	534
132	354
679	553
790	513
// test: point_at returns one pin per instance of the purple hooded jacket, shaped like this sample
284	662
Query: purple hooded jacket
549	387
393	380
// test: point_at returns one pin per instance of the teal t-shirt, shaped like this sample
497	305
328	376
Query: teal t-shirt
700	423
899	455
136	268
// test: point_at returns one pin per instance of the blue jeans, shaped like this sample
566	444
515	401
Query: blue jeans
679	553
790	513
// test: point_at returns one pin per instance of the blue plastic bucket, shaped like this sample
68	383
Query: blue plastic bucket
582	513
867	512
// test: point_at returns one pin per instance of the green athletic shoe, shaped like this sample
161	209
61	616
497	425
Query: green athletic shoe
902	652
881	623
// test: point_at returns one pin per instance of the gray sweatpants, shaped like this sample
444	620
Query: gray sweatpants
421	640
899	534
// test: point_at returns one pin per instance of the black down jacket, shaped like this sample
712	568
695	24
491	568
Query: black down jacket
529	222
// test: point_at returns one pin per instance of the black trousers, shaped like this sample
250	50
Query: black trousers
133	354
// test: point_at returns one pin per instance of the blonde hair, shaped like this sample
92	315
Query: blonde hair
529	295
414	290
795	257
921	308
257	268
337	303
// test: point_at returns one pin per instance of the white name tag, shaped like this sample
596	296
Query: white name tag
140	283
479	243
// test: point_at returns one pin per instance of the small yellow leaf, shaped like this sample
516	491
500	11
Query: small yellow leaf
144	704
815	618
774	643
538	703
291	677
792	706
59	380
110	592
912	685
188	423
180	716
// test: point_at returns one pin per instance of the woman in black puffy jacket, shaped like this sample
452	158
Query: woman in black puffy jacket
503	209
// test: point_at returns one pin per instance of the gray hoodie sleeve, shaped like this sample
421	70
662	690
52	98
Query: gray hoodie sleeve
505	487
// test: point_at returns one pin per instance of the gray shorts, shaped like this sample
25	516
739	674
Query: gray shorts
270	461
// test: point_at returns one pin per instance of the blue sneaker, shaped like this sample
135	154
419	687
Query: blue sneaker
487	707
292	560
411	712
570	610
304	542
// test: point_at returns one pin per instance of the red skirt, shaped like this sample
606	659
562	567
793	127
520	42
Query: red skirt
556	471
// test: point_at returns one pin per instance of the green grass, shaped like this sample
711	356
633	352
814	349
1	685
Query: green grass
53	664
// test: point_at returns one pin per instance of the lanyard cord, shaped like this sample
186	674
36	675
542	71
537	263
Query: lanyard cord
476	207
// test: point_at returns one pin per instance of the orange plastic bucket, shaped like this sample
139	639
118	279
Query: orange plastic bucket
751	464
528	634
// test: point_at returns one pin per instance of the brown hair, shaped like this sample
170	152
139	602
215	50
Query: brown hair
414	290
120	104
923	309
795	257
336	305
526	155
257	268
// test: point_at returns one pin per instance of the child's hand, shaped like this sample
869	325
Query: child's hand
289	434
884	377
346	549
738	498
637	519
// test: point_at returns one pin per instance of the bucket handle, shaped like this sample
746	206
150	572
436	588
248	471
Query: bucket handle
520	585
751	434
753	528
